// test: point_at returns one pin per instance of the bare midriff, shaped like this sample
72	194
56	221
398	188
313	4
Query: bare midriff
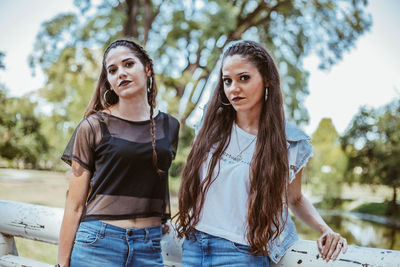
135	223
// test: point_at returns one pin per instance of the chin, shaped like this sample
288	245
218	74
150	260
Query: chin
131	92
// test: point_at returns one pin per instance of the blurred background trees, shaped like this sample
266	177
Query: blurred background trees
372	144
185	39
328	165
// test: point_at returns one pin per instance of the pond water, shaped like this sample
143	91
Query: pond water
357	231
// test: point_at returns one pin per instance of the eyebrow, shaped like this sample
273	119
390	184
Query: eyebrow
126	59
240	73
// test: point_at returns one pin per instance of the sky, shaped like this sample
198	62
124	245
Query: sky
369	74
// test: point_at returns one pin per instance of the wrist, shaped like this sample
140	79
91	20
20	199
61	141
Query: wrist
324	229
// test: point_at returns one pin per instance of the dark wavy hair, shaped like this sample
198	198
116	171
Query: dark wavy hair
269	166
102	100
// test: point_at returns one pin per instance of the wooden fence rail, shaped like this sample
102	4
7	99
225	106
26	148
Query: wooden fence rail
43	223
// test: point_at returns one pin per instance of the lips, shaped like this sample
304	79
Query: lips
124	83
237	99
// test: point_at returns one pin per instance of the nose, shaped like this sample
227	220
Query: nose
234	87
121	73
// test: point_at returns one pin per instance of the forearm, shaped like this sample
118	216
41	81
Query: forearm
68	230
303	209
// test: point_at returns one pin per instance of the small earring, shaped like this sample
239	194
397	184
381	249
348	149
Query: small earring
266	93
149	84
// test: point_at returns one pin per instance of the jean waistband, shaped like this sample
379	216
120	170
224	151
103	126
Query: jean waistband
108	229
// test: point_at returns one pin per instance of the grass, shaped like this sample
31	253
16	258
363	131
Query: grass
36	250
378	209
46	188
35	187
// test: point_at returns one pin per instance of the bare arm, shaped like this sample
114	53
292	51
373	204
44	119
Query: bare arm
330	243
75	203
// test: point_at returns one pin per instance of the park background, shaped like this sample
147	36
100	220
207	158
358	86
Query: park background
339	64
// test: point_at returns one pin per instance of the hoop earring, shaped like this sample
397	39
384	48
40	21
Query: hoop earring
105	96
226	104
149	84
222	95
266	94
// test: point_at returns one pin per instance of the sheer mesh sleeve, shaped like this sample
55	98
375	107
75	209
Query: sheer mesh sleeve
174	134
80	147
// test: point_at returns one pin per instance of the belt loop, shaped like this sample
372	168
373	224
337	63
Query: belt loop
146	232
103	229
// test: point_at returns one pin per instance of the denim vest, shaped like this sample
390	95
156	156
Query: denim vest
299	153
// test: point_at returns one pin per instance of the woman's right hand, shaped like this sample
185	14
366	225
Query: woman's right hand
330	244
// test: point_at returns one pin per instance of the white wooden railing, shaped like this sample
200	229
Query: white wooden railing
43	223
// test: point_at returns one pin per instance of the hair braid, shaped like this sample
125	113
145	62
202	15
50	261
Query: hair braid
104	89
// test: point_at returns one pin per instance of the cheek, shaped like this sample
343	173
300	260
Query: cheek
110	79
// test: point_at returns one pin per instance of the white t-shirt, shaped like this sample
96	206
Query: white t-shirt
224	213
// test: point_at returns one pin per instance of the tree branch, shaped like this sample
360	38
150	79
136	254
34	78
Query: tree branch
131	27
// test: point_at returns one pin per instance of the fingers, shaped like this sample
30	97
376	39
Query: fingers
320	243
339	247
333	246
330	246
344	249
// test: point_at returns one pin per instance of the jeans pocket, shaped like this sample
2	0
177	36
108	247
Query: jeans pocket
241	248
86	237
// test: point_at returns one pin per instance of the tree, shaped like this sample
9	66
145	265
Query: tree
21	140
329	163
187	38
372	143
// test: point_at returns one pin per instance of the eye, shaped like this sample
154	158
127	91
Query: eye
244	77
227	81
129	64
112	70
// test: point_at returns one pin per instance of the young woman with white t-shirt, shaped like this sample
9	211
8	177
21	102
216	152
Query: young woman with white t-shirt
244	170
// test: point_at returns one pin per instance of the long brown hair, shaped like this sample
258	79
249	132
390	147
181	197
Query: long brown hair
104	97
269	166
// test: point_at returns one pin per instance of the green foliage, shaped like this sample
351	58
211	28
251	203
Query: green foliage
372	143
186	38
378	209
185	144
326	169
21	140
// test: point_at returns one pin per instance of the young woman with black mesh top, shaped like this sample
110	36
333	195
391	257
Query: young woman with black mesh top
120	154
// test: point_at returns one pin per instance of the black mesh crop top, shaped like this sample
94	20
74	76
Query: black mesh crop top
118	154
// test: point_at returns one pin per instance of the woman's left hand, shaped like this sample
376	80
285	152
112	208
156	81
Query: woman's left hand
330	244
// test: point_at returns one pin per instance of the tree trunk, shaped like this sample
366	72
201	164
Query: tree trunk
131	27
393	206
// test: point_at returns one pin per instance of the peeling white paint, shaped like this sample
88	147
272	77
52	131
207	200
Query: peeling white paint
43	223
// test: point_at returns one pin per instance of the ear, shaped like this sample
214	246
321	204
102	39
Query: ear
148	71
266	84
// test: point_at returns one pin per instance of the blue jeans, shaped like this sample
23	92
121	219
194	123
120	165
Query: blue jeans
210	250
101	244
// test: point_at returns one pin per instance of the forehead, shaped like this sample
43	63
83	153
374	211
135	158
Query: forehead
119	53
237	64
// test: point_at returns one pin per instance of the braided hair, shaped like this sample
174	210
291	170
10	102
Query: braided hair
104	97
269	166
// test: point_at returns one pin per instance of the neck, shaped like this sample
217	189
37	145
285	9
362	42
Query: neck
134	109
248	121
